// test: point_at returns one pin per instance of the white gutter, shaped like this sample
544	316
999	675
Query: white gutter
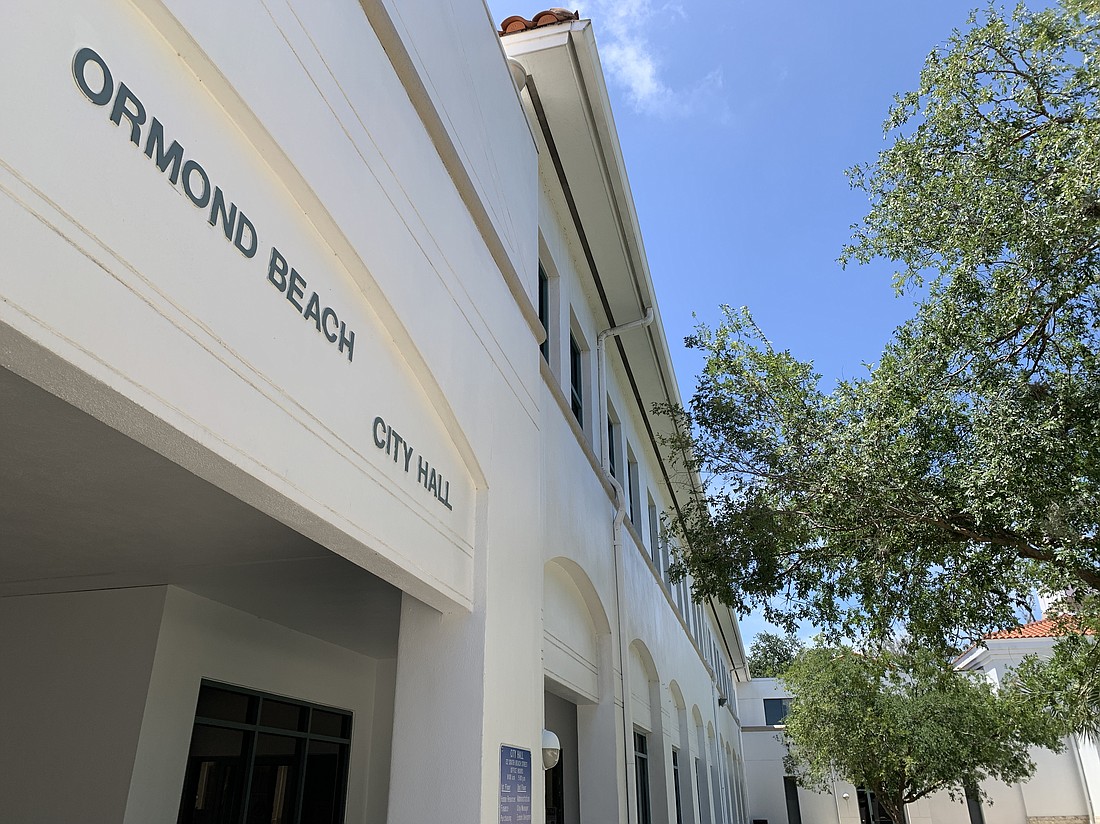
617	540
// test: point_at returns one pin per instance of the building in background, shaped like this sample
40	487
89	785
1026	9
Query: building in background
324	488
1065	788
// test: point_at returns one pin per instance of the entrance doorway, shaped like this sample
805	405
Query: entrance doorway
563	797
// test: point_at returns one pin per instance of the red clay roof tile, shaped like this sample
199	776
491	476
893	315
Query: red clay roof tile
543	18
1054	627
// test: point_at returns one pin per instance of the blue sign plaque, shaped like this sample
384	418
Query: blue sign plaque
515	785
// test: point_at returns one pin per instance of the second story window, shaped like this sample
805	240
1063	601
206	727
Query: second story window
654	535
544	311
632	486
775	710
576	383
612	439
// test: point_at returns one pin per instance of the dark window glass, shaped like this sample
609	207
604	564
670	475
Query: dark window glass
240	772
676	784
282	715
611	448
325	780
214	783
555	793
333	724
226	705
655	537
576	387
775	710
790	790
274	790
631	488
641	775
544	310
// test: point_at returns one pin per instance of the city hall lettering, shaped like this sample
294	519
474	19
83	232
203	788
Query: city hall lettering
387	438
98	85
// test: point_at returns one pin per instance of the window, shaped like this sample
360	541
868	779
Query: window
775	710
261	758
654	535
641	776
612	440
576	385
544	311
633	503
790	790
676	784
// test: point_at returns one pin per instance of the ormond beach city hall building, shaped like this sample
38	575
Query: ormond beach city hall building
330	483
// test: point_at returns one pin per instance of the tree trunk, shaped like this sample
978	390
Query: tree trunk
894	807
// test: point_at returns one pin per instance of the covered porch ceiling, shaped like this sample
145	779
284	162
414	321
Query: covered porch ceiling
83	506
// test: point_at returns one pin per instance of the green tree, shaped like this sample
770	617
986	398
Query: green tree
770	654
963	471
905	726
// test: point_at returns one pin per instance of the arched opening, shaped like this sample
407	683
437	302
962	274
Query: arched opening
578	700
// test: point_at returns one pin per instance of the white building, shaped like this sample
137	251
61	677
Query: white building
1065	788
297	521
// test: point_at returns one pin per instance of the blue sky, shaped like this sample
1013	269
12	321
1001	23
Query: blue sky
737	121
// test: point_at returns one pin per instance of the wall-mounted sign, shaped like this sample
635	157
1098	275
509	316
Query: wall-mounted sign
96	83
515	785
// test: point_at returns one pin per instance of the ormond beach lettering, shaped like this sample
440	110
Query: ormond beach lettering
96	82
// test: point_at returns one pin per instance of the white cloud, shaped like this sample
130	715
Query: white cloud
631	61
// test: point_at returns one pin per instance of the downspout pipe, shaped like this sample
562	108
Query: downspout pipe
617	541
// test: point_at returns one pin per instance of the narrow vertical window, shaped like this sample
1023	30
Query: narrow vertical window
612	440
633	503
790	790
654	535
676	784
544	311
641	775
576	382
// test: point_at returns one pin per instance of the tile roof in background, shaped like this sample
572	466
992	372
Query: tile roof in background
515	23
1054	627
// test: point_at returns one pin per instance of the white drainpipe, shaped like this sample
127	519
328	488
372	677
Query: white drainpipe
617	539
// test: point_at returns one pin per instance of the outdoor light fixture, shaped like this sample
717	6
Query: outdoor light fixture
551	750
